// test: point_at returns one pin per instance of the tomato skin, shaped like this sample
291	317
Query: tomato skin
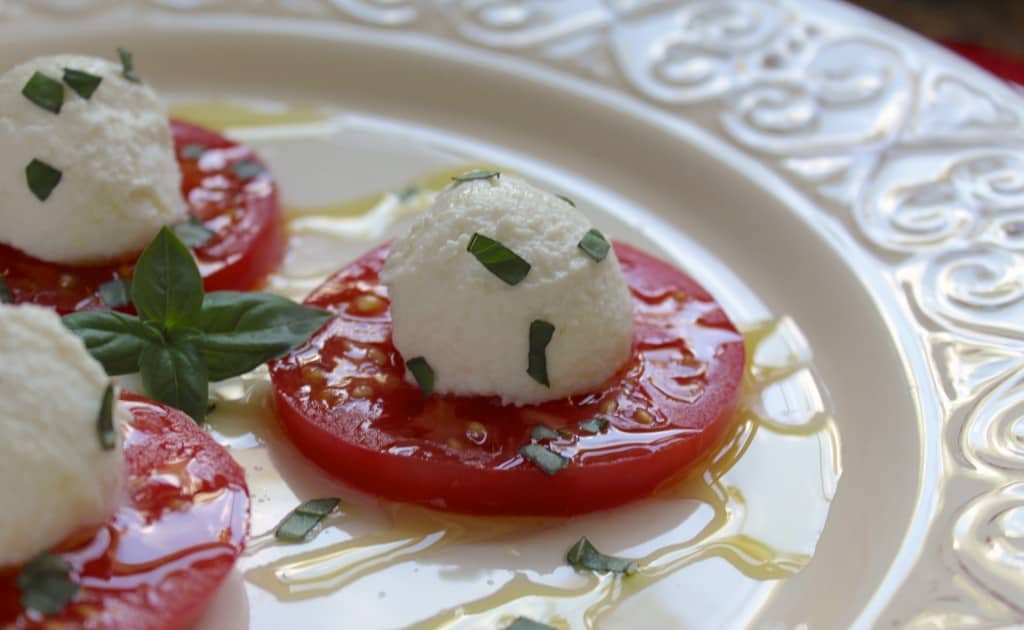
344	401
158	561
245	217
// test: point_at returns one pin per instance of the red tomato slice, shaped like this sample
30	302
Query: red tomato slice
242	212
160	558
345	403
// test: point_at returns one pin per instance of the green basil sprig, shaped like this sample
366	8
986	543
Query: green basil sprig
183	337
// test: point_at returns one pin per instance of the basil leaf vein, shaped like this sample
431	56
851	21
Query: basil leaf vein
167	288
240	331
114	339
175	374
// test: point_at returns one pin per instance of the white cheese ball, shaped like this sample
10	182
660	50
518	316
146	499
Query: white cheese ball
120	180
56	476
473	328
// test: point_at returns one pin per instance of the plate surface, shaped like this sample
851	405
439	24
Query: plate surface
803	160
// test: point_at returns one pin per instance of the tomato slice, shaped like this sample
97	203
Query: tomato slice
345	403
238	204
160	558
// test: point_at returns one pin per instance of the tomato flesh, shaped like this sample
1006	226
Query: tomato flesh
159	559
243	213
346	404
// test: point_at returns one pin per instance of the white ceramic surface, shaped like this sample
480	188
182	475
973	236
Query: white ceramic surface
799	158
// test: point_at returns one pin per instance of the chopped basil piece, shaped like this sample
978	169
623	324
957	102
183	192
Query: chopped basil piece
544	458
594	425
523	623
105	422
193	233
567	200
540	336
45	584
407	193
423	373
128	66
475	175
498	259
44	92
541	433
193	151
42	179
246	169
117	292
5	292
583	555
297	526
83	83
595	245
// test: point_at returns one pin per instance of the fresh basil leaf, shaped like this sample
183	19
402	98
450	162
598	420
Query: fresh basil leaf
247	169
476	175
5	292
117	292
193	151
540	433
193	233
83	83
45	584
540	336
114	339
524	623
45	92
595	245
42	179
241	331
498	259
167	288
297	526
128	66
583	555
544	458
594	425
105	420
567	200
423	373
176	375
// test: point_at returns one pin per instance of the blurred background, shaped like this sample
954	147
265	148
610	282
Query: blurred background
989	32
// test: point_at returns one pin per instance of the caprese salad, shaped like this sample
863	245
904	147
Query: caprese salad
503	357
92	167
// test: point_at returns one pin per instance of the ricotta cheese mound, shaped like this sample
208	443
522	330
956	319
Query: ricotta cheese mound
57	477
119	179
473	328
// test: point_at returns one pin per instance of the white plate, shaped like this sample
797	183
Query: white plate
803	160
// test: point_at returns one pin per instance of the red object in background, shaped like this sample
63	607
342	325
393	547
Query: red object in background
242	212
995	62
